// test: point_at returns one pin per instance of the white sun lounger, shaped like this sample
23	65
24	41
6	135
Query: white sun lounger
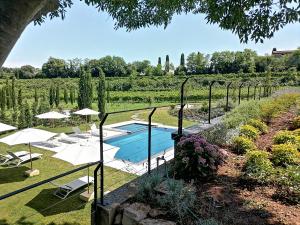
63	191
78	133
18	160
5	158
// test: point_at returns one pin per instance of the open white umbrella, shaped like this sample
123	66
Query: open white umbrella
28	136
78	154
52	116
4	127
86	112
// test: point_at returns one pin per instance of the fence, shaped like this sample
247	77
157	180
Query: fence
102	174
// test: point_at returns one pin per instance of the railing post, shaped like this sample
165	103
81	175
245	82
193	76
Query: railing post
227	95
180	112
209	100
240	87
255	86
248	93
102	158
150	139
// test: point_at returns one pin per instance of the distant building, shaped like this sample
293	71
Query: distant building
281	53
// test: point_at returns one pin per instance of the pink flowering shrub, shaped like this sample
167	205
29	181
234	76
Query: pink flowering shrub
197	159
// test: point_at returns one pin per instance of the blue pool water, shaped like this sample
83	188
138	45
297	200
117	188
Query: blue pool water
134	146
133	127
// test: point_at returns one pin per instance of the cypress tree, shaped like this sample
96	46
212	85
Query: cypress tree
159	61
28	115
108	92
14	118
66	97
51	96
8	97
167	65
85	92
182	60
3	115
34	113
43	106
101	94
3	99
57	96
21	119
36	98
13	92
20	98
72	95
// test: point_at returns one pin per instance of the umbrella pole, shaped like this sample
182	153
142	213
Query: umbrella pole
30	156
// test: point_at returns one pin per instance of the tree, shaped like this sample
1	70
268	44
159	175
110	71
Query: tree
72	95
223	62
294	60
21	118
3	99
159	61
254	19
141	66
182	60
157	71
167	64
113	66
66	97
34	111
57	96
85	92
36	97
196	63
55	68
27	72
51	95
20	98
28	115
101	94
13	92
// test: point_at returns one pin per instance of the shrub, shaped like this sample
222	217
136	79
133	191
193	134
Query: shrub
146	187
217	135
284	137
261	126
242	113
242	144
296	132
178	200
210	221
296	122
284	154
289	185
258	166
197	159
249	132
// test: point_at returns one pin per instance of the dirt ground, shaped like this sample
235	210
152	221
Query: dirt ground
231	202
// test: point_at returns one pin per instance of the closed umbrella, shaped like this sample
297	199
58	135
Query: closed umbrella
78	154
28	136
86	112
4	127
52	116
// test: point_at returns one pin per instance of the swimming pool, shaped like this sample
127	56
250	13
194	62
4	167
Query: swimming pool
133	127
134	146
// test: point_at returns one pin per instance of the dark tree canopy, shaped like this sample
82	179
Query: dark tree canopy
250	20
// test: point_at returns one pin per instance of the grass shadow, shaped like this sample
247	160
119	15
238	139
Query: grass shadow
11	175
47	204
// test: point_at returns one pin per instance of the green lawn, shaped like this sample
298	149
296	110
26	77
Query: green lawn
33	203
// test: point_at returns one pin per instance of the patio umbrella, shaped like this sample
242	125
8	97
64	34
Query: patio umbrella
78	154
52	116
86	112
28	136
4	127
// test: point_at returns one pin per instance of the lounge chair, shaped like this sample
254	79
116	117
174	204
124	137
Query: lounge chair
18	160
63	191
5	158
78	133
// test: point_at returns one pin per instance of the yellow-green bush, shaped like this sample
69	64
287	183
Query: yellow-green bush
261	126
249	132
258	166
296	132
284	154
296	122
284	137
271	108
242	144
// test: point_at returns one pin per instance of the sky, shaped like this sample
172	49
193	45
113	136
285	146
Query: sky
87	33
